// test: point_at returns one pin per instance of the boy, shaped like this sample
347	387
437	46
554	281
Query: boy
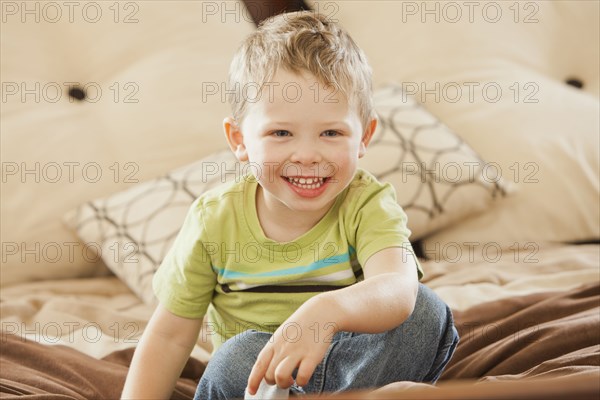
307	249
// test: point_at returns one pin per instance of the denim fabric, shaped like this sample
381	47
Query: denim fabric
418	350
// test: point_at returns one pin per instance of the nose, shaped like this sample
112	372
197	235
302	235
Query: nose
306	152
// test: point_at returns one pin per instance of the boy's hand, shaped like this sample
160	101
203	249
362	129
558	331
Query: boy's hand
300	342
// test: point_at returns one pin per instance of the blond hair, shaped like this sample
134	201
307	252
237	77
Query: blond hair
302	41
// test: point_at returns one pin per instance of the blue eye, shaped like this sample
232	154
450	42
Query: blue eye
331	133
280	133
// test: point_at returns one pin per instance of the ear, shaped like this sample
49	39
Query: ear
235	138
367	136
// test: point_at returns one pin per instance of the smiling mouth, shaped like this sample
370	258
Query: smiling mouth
306	183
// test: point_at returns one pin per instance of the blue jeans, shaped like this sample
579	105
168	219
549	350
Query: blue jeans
417	350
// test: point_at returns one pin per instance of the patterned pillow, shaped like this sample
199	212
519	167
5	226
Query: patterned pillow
134	229
438	179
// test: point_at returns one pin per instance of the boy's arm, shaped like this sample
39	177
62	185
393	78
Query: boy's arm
381	302
161	355
384	300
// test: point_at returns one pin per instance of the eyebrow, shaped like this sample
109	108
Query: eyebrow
336	123
277	124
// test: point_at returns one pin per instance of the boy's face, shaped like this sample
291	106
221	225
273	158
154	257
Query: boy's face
297	129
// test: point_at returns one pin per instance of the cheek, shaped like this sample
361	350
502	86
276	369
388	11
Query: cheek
347	152
257	151
267	159
272	152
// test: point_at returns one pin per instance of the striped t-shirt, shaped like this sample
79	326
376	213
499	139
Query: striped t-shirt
222	263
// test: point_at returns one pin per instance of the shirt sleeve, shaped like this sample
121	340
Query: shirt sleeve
379	222
184	282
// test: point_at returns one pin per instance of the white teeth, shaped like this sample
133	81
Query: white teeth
310	183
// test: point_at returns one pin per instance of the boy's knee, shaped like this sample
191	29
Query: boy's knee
437	324
433	315
229	367
241	348
428	300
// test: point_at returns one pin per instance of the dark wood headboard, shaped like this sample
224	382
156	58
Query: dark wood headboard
263	9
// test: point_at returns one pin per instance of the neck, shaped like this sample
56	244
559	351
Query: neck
279	221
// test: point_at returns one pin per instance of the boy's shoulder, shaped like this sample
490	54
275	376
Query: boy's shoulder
363	178
366	188
364	181
221	195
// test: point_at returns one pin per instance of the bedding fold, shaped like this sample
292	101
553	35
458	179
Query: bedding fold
539	336
523	337
30	370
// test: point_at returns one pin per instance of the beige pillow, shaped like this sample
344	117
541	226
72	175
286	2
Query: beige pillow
551	150
134	229
540	131
146	67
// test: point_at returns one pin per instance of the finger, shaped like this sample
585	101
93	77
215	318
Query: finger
305	371
259	369
270	370
283	372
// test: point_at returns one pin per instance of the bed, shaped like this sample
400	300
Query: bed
488	130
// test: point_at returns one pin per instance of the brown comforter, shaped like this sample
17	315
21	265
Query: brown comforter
546	335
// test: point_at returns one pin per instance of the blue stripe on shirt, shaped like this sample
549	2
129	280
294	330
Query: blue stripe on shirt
324	263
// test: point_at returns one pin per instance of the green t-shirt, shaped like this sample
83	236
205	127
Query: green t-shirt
222	263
